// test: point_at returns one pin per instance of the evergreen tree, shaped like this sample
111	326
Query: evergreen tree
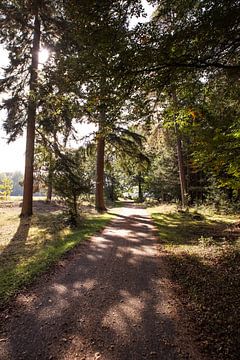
189	34
95	39
25	26
70	181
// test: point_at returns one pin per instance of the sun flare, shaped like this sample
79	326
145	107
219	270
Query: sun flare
43	55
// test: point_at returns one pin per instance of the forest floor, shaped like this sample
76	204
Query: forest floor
202	249
109	298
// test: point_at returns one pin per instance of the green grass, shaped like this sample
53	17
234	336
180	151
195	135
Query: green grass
35	245
184	229
203	254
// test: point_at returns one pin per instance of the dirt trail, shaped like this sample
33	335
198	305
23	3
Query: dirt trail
108	300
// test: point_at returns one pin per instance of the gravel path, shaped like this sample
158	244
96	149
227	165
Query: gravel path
108	300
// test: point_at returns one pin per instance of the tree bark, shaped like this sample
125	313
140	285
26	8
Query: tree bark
49	189
31	119
140	193
99	195
49	181
181	169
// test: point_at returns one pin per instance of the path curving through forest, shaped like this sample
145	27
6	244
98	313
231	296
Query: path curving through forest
110	299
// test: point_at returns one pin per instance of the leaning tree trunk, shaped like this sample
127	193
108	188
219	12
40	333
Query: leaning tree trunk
31	119
99	195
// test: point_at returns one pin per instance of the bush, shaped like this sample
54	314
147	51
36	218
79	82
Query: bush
70	180
6	187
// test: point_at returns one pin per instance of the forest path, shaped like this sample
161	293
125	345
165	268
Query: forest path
110	299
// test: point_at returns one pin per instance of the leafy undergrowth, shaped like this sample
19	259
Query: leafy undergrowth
29	247
203	253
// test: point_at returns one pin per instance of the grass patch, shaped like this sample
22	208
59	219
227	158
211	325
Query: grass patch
203	253
30	247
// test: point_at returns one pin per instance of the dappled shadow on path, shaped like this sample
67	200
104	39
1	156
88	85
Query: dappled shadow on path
134	218
106	300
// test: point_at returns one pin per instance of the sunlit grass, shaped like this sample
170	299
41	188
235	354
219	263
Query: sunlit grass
184	229
31	247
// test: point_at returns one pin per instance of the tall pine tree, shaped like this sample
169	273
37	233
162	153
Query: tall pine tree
25	27
95	39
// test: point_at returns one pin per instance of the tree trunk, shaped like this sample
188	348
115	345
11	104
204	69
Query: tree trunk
49	182
49	189
49	192
31	119
140	193
75	207
181	170
99	196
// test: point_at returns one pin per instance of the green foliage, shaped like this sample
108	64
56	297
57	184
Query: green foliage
70	180
190	35
112	177
210	122
6	188
207	117
206	241
17	179
87	61
162	182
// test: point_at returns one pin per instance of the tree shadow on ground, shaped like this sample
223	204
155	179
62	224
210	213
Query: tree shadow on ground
182	229
137	219
204	258
108	301
21	245
16	246
24	248
211	290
